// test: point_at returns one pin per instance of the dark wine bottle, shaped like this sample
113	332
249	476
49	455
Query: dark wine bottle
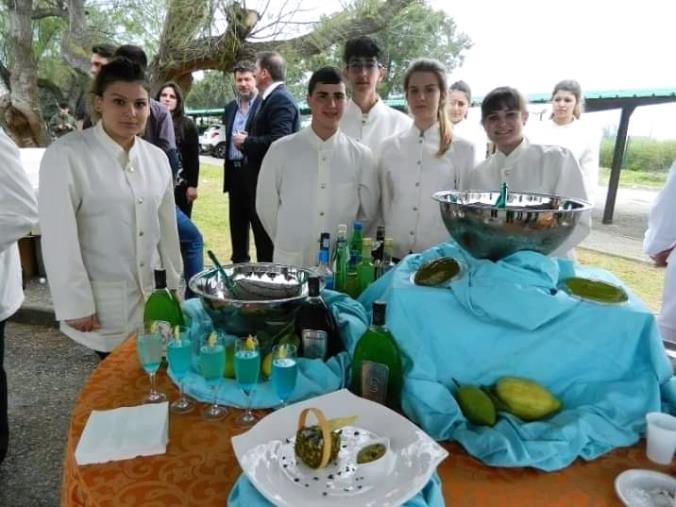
316	327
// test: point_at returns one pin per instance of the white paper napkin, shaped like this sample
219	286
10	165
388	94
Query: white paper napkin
124	433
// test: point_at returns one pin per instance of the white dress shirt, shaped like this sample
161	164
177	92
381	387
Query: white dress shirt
108	219
410	172
373	127
535	168
661	236
307	186
18	214
580	139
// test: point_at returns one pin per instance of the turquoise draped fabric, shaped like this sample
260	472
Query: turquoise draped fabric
606	363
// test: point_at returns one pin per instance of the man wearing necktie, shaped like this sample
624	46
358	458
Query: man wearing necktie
275	114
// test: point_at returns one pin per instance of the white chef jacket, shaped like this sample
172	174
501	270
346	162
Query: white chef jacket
18	214
661	236
579	138
307	186
410	172
535	168
108	219
476	135
373	127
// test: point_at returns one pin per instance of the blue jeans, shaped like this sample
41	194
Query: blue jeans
192	248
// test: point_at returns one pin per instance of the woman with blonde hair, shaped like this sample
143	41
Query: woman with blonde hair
420	161
565	128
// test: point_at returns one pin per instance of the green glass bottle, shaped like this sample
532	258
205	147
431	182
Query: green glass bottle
366	271
377	370
502	198
162	303
356	242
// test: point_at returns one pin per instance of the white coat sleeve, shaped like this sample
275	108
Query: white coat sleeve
59	200
18	206
369	191
169	246
571	184
464	165
661	233
267	190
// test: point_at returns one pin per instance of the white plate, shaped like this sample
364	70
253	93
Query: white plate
645	488
415	455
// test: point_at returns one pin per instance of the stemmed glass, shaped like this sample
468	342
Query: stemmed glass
179	352
212	366
284	371
247	369
149	348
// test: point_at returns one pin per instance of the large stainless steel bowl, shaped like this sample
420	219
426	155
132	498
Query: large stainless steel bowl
275	292
536	222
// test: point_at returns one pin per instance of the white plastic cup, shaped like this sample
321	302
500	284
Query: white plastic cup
661	436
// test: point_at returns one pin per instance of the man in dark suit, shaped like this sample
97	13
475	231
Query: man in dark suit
275	115
236	181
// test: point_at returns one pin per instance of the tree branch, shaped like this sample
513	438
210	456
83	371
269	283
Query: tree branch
5	75
48	12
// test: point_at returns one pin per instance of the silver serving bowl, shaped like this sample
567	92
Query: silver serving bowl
274	292
537	222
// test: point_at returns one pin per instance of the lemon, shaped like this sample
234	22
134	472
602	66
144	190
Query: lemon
266	365
212	340
250	343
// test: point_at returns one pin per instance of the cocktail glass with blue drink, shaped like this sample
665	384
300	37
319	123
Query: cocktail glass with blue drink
212	366
179	352
247	370
284	370
149	348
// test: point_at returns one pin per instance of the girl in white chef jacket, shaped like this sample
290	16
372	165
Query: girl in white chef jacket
107	214
566	128
526	167
420	161
459	102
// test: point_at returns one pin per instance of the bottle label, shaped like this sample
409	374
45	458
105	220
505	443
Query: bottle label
374	377
315	343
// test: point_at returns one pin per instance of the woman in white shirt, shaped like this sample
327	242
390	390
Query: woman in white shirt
565	128
420	161
526	167
459	102
107	215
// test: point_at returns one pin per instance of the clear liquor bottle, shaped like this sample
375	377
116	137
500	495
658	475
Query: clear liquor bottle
316	327
387	263
342	259
323	268
377	370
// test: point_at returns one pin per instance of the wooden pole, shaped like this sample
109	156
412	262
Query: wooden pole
618	157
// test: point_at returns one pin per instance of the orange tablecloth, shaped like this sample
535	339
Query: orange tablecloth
200	468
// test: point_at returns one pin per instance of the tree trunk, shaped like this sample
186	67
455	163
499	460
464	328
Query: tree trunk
21	110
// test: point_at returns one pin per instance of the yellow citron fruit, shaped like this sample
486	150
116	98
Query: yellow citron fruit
229	371
266	365
212	340
250	343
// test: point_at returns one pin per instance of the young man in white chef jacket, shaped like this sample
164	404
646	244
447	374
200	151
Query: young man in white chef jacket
18	215
659	242
367	119
315	179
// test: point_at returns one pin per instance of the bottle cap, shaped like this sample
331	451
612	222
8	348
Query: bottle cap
357	226
379	310
313	286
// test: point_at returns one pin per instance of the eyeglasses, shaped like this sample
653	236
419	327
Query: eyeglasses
359	65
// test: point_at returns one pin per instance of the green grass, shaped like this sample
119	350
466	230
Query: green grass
210	213
636	178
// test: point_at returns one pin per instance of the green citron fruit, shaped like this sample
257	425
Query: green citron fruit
229	371
266	365
437	271
526	399
476	406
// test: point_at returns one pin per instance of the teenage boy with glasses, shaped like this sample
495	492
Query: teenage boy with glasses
367	119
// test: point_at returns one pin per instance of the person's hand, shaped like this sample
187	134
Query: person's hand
191	194
238	139
661	258
85	324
